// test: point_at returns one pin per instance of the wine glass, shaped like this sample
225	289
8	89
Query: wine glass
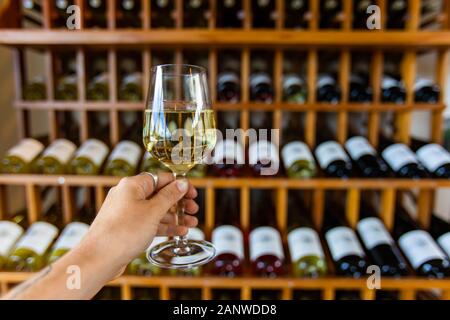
179	131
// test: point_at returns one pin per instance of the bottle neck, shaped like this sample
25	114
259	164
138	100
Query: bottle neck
228	207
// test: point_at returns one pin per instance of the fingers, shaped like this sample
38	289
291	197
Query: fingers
189	221
167	197
171	230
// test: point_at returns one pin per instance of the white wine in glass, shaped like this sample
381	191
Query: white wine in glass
180	132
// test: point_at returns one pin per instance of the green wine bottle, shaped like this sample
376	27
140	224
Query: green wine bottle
89	158
98	86
35	89
294	89
29	252
56	157
72	234
124	159
298	160
140	266
21	158
10	232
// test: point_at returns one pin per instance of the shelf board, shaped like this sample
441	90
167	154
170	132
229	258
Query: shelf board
214	182
323	107
226	38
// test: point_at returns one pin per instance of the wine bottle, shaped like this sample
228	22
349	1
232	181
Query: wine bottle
130	88
360	90
195	14
129	16
150	164
97	17
379	244
229	14
228	159
162	14
329	14
10	232
307	256
440	230
261	88
29	252
392	90
21	158
227	237
397	14
89	158
35	90
346	251
265	246
263	13
98	86
294	89
426	91
296	14
263	158
72	234
66	85
124	159
365	157
140	266
403	161
56	157
327	89
228	81
360	14
60	7
333	160
420	249
298	160
435	159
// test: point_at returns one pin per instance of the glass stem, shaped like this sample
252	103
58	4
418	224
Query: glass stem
181	241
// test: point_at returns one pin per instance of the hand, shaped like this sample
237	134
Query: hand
133	214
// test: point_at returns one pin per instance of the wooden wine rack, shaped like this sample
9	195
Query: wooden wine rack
310	41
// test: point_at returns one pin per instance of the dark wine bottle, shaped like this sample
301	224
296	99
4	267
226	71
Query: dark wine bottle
403	161
433	157
129	14
162	14
265	245
261	87
229	14
346	251
426	91
264	159
263	13
440	230
397	14
227	237
392	90
97	17
360	14
330	11
228	158
420	249
195	13
296	14
379	244
228	80
328	89
360	90
365	157
333	160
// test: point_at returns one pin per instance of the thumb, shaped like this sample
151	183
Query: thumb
168	196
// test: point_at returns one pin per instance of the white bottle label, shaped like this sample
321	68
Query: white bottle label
343	242
265	241
419	247
61	149
95	150
229	150
398	155
195	234
328	152
388	82
133	78
227	77
304	242
444	242
259	78
102	78
228	239
26	149
292	80
325	80
294	151
373	232
433	156
127	151
421	83
358	147
265	152
10	232
38	237
72	234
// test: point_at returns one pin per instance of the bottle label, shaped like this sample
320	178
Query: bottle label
398	155
422	83
133	78
328	152
61	149
444	242
69	79
325	80
265	152
419	247
265	241
294	151
433	156
373	232
72	234
10	232
95	150
26	149
102	78
195	234
292	80
304	242
343	242
229	150
358	147
228	239
38	237
227	77
388	82
127	151
260	78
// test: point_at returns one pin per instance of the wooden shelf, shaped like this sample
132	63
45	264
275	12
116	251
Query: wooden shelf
227	38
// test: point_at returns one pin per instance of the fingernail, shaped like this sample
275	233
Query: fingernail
182	185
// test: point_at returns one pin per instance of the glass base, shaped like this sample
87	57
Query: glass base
168	255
